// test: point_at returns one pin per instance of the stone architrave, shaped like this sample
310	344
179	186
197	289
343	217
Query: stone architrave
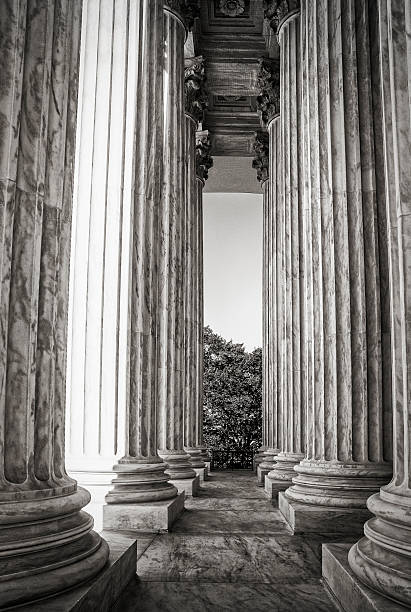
380	562
268	103
170	325
204	162
195	98
47	542
348	453
284	16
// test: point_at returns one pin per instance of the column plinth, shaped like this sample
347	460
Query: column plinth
47	543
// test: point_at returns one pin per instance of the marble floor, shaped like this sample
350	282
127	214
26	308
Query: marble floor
230	550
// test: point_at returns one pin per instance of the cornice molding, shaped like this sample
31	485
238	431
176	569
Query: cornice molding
204	161
261	158
268	82
195	93
276	11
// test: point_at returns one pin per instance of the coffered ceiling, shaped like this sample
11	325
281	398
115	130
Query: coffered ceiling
230	36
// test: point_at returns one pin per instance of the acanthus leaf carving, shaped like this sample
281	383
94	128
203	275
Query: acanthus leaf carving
268	82
195	93
261	158
277	10
204	161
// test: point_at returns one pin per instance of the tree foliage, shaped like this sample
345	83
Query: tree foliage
232	394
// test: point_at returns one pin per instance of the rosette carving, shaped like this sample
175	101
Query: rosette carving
268	82
195	93
204	161
277	10
261	158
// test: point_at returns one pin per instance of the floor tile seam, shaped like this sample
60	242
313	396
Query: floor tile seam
231	533
314	582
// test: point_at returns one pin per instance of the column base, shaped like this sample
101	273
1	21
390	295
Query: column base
189	486
273	487
307	518
345	587
201	472
262	473
151	516
102	592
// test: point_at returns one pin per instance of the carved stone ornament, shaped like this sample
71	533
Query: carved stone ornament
277	10
186	10
232	8
261	159
195	93
204	161
268	82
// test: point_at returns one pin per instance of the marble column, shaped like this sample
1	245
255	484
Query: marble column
47	543
382	559
195	103
268	103
348	416
291	204
170	327
142	496
204	162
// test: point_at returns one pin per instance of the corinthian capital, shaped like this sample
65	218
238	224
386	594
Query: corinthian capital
261	159
204	161
186	10
195	95
277	10
268	82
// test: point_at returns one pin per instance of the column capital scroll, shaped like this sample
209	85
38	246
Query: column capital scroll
186	10
268	82
276	11
261	159
195	93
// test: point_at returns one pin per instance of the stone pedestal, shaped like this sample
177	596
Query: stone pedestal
310	518
201	473
47	543
348	366
102	593
345	586
152	516
189	486
273	487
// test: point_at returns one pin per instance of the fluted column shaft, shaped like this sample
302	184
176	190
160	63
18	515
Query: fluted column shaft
348	442
171	366
203	163
291	203
47	543
382	559
191	314
268	104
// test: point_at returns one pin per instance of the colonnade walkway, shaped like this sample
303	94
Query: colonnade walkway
230	550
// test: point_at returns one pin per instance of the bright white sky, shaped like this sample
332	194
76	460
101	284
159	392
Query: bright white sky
233	229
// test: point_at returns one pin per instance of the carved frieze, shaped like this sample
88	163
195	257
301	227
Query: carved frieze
186	10
261	158
195	93
268	82
204	161
277	10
